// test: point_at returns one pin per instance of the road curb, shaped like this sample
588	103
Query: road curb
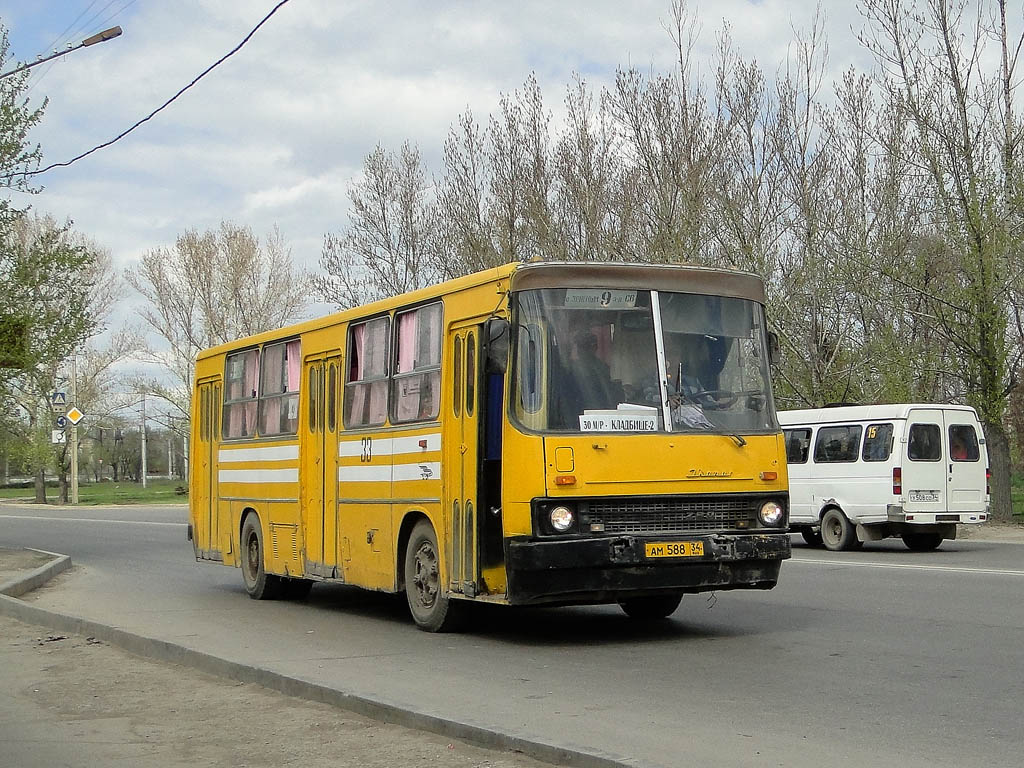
33	579
162	650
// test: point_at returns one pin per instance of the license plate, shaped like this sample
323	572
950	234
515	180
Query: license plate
924	496
674	549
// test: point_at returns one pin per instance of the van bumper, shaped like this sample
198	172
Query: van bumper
609	569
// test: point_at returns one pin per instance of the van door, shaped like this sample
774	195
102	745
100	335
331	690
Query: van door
966	463
924	462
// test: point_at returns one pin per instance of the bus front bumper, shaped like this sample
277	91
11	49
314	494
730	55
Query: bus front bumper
614	568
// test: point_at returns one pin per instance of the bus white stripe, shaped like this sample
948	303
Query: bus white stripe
390	446
364	474
263	453
428	470
258	475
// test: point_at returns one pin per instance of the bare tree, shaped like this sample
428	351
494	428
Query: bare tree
934	67
387	248
211	288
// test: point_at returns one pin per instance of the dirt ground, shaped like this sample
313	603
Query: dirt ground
67	700
75	701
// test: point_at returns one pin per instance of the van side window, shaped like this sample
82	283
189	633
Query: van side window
877	442
963	443
837	444
924	443
798	443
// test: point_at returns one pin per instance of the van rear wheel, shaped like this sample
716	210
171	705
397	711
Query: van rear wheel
922	542
837	533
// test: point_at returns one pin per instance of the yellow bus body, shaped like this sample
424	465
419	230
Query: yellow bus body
336	503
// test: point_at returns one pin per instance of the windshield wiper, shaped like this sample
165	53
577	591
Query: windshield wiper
738	438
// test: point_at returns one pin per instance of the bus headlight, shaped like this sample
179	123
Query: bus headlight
562	519
771	514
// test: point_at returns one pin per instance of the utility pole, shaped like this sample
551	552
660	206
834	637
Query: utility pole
144	470
74	431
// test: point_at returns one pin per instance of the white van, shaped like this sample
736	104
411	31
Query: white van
865	472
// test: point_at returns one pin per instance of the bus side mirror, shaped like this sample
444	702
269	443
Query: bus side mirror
497	330
773	347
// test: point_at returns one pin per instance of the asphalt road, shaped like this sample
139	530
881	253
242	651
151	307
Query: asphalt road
855	659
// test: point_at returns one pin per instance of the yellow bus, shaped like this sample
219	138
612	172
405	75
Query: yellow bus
543	433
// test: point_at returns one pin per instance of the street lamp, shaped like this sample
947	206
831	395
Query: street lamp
99	37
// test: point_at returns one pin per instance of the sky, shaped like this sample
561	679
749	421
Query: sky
275	135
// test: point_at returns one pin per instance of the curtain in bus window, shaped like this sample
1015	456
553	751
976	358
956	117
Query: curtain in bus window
279	385
963	443
240	394
366	393
417	380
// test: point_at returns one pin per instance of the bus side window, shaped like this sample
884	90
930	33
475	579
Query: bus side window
798	443
877	442
924	443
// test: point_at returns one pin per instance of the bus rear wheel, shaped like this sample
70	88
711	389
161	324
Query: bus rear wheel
651	608
429	605
837	533
258	583
922	542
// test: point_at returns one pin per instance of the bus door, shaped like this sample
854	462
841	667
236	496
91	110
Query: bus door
205	458
319	464
463	452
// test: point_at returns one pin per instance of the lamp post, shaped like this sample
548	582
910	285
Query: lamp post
99	37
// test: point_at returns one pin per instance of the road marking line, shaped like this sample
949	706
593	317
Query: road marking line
85	520
908	566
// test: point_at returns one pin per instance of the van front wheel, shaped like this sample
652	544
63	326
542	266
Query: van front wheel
922	542
837	533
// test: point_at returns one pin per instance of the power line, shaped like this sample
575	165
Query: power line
163	106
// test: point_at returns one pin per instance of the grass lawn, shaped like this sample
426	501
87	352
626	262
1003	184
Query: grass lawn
1017	495
155	492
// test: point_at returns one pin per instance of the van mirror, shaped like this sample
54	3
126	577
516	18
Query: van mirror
773	347
497	330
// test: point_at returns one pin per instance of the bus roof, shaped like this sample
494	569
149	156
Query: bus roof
546	274
884	411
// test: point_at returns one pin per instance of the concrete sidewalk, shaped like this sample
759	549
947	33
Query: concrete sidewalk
69	699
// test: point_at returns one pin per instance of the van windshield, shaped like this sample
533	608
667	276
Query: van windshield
607	360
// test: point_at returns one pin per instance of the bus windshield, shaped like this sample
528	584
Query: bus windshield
587	360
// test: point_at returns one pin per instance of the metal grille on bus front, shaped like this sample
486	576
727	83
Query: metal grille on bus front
672	515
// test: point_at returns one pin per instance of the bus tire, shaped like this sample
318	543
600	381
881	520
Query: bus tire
429	605
651	608
811	538
922	542
837	533
258	583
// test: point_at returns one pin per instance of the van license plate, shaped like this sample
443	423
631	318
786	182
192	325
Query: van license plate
674	549
924	495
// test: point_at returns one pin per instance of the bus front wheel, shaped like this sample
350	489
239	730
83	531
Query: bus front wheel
837	533
651	608
258	583
429	605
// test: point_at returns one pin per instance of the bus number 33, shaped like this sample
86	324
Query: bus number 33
367	453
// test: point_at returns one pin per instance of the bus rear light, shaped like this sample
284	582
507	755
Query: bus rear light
897	481
988	481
